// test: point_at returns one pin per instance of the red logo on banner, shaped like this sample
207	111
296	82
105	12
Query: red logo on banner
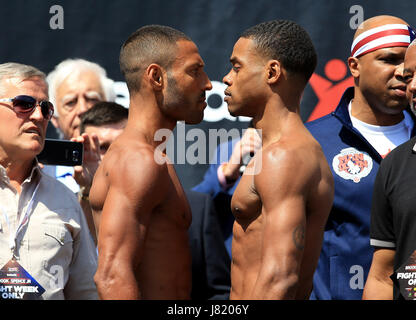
327	92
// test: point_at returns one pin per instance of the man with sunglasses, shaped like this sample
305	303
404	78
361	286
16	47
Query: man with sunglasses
44	240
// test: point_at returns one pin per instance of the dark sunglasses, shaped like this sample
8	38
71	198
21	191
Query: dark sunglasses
27	104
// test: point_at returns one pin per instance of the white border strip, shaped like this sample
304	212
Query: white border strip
380	243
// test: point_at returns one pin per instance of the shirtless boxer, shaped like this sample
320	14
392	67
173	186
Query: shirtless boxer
280	211
142	242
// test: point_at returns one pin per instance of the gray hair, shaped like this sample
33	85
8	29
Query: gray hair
18	70
68	66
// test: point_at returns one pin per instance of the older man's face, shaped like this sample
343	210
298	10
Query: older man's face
76	94
22	136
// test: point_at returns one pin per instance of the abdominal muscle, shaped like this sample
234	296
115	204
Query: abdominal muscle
246	258
165	268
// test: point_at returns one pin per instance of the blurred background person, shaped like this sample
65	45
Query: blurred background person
106	120
75	85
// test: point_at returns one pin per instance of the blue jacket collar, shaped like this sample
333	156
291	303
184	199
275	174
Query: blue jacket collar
341	112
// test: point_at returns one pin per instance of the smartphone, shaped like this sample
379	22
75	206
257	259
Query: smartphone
61	152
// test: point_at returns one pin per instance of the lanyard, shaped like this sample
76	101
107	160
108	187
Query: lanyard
24	218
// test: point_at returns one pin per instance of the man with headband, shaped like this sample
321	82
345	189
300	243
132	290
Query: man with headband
368	123
393	227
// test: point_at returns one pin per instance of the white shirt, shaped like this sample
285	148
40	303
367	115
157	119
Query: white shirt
384	138
55	246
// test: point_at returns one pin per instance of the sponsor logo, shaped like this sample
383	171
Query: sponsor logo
351	164
411	267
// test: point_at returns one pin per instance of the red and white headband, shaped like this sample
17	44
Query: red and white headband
389	35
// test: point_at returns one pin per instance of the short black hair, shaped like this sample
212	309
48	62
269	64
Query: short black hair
103	113
287	42
149	44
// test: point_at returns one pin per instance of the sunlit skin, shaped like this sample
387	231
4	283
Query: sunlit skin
187	83
280	210
245	80
143	218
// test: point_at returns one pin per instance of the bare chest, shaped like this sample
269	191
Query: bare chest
246	203
176	203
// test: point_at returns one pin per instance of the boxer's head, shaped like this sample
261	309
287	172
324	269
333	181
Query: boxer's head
266	56
163	62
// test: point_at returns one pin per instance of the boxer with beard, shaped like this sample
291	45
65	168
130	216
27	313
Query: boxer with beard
143	243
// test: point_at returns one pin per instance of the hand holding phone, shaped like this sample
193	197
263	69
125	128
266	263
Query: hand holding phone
84	174
61	152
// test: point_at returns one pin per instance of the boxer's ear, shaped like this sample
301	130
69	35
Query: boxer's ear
274	71
154	74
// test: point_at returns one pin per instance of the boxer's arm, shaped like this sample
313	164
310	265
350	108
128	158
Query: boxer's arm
379	286
136	188
282	187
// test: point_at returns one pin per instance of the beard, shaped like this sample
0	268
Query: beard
173	97
180	106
